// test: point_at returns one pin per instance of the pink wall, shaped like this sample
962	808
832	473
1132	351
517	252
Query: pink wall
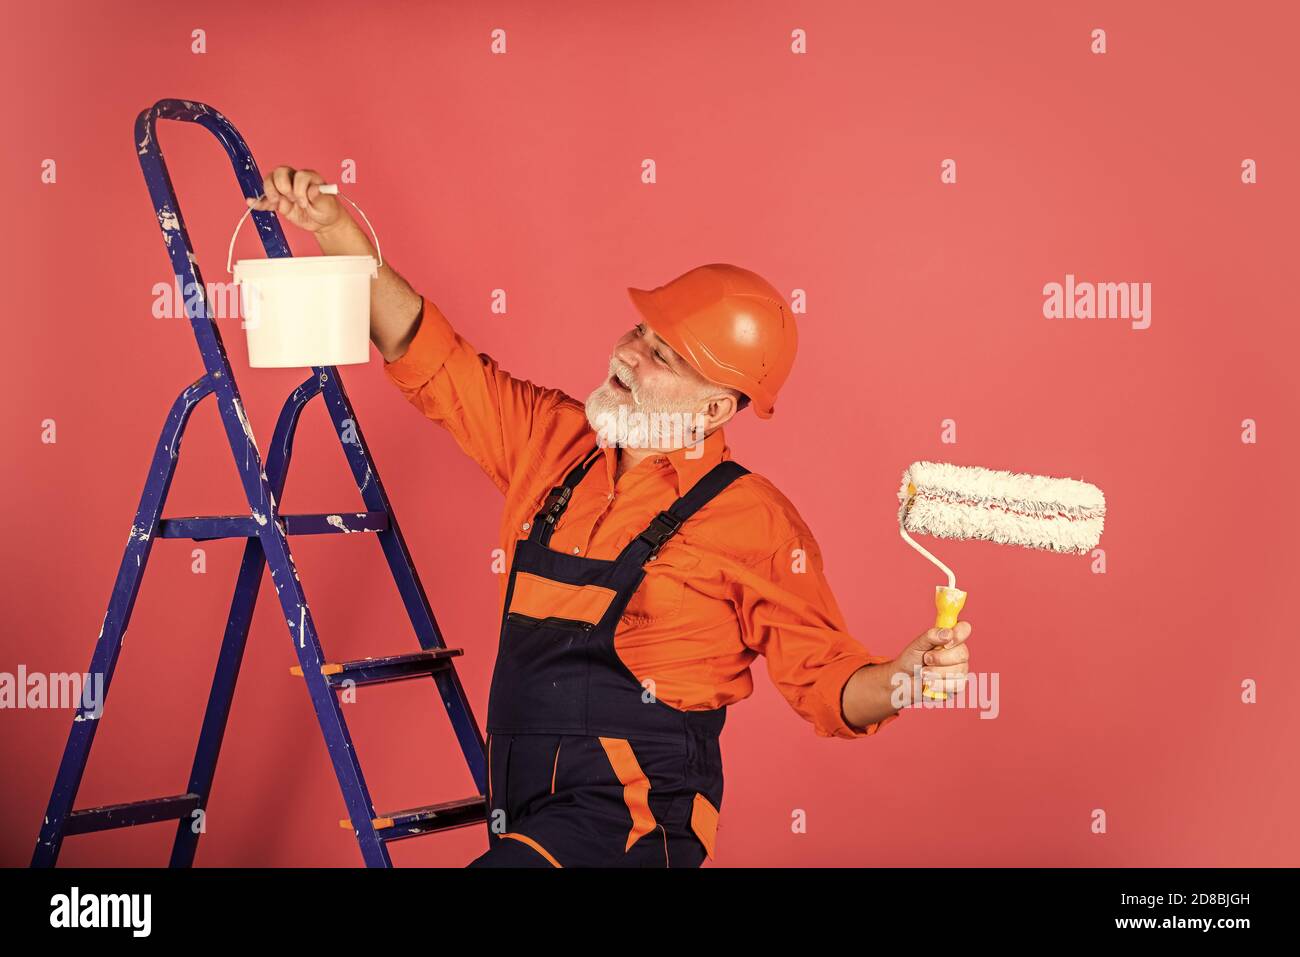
1119	691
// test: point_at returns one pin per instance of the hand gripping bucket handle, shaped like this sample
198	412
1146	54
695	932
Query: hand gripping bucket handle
329	188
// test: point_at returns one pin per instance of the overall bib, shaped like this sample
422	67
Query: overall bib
586	767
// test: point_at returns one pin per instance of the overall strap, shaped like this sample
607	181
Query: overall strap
664	526
558	499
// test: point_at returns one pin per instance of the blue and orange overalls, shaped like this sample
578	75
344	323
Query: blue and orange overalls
641	781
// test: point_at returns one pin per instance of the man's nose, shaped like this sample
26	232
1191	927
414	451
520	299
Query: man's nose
626	353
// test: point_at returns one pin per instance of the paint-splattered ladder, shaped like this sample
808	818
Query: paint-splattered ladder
267	531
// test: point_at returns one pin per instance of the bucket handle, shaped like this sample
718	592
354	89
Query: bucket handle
328	188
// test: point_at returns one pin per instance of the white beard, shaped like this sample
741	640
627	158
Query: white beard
642	419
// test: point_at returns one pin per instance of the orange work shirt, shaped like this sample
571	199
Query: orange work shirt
742	578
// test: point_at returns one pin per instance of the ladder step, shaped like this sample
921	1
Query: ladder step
204	527
397	825
133	812
373	671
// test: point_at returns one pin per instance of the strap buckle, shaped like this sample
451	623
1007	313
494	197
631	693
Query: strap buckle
662	527
554	504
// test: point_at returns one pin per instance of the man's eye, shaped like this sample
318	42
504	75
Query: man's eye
660	357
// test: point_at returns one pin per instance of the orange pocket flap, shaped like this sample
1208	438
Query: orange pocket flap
539	597
704	822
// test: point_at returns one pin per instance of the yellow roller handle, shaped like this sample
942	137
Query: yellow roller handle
948	602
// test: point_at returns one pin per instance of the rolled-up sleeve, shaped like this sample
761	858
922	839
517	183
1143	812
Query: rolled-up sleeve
490	413
789	615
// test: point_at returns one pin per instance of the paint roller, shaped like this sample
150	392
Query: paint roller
968	502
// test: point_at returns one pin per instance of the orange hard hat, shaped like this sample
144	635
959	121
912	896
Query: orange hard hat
730	324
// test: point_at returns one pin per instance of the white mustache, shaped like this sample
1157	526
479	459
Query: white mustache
624	375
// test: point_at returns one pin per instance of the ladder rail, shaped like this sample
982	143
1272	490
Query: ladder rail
108	646
468	734
249	580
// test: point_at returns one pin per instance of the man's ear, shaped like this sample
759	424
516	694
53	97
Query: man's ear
720	408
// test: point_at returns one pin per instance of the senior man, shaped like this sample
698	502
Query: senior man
647	569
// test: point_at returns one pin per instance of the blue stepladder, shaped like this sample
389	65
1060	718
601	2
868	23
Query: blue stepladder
267	532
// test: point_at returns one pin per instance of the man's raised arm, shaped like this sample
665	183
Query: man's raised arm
491	414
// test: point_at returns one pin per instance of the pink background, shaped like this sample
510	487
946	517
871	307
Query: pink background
1119	691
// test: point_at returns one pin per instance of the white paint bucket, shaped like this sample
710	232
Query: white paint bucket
308	311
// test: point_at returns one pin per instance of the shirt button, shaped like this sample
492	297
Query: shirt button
524	526
576	549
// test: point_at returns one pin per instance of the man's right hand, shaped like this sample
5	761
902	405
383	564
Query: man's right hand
395	308
939	656
295	194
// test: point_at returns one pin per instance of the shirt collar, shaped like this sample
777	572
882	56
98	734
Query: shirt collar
693	463
688	464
